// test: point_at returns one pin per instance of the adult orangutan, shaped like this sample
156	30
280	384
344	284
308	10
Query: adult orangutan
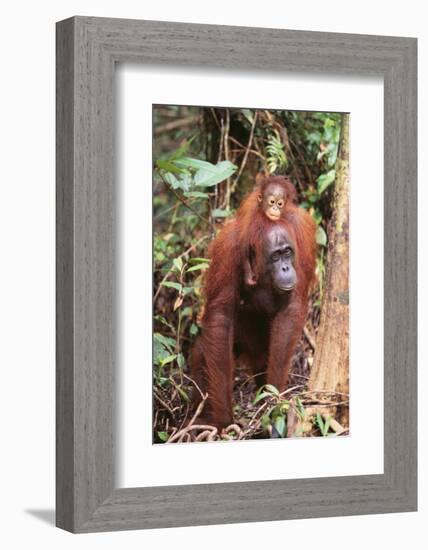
256	294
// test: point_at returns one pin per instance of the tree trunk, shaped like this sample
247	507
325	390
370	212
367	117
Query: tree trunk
330	371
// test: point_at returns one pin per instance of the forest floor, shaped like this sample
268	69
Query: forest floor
174	421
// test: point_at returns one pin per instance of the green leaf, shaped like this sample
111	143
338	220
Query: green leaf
300	408
169	343
219	172
280	425
248	114
171	284
207	174
261	396
168	167
326	425
271	389
320	422
196	164
185	182
159	352
182	182
194	329
168	359
163	436
171	180
180	361
178	264
198	267
197	260
183	394
324	180
321	236
187	290
219	213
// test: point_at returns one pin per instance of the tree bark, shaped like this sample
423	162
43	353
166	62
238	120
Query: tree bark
330	371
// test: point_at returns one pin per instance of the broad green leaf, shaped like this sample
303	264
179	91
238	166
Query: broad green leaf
180	361
324	180
216	174
194	329
248	114
168	359
163	436
178	263
280	425
171	284
168	166
171	180
185	182
197	260
159	352
261	396
207	174
271	389
169	343
196	164
198	267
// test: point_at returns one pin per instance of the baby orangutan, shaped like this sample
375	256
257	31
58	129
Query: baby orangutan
271	198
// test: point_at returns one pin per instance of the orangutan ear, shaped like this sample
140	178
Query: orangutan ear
260	198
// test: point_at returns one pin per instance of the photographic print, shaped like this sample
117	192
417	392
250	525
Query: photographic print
250	274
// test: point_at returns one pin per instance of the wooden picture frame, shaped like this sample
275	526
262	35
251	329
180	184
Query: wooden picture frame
87	50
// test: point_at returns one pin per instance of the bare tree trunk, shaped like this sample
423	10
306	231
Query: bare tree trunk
330	371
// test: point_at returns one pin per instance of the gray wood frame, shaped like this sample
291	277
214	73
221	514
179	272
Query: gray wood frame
87	50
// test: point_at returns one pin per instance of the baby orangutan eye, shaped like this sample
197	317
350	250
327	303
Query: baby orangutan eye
271	201
280	203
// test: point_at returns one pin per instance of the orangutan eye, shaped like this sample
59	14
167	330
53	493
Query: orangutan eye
271	201
275	256
287	252
280	203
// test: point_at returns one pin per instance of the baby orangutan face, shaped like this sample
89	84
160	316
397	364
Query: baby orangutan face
272	201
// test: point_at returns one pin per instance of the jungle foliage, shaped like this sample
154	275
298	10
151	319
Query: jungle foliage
205	161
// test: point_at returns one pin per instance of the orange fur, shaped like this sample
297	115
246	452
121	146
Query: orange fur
212	363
